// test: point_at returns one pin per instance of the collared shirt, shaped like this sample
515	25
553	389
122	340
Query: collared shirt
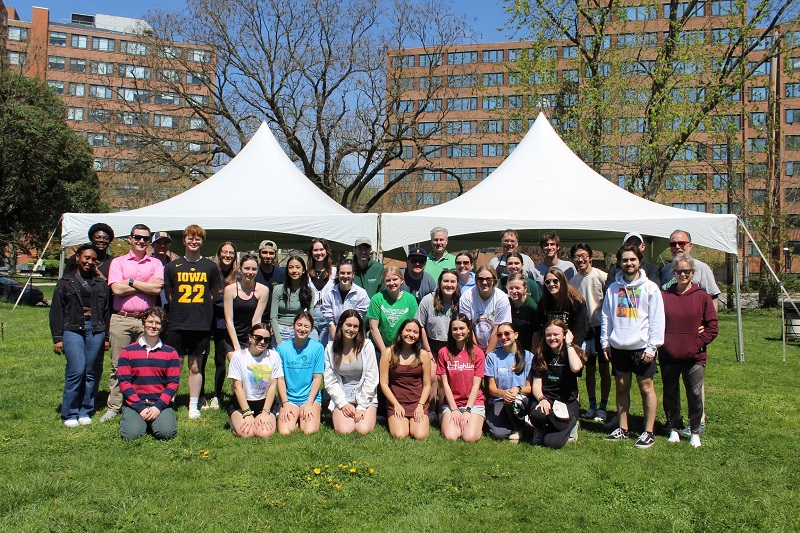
143	344
434	267
129	266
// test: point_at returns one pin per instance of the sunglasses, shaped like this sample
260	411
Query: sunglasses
673	244
417	261
259	339
682	271
463	262
486	280
549	282
137	238
504	334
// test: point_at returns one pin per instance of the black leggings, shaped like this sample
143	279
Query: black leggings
220	353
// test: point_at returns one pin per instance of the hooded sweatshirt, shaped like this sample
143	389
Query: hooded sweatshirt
684	313
633	315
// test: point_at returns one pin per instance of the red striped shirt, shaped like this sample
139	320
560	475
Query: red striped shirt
152	375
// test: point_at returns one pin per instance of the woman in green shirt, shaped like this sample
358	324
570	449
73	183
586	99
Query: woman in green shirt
289	299
389	308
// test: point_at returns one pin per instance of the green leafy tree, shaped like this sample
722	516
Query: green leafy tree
45	167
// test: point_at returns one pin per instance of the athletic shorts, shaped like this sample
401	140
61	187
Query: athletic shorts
256	405
630	361
191	343
476	410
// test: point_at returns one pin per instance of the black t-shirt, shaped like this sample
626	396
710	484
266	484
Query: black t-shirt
524	318
558	380
276	277
190	286
576	319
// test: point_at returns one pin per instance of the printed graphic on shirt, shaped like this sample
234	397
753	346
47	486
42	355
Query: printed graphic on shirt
628	302
394	316
458	366
258	376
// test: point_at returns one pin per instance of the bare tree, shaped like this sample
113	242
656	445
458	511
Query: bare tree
327	76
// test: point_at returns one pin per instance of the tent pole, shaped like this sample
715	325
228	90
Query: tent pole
738	304
379	245
783	328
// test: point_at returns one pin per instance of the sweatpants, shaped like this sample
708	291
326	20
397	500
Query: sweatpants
693	375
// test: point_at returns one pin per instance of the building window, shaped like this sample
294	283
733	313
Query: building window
429	128
58	38
493	150
515	54
793	142
169	75
167	98
604	45
74	113
792	116
430	82
792	195
543	101
757	170
58	86
197	99
462	58
719	152
79	41
195	124
56	63
692	37
719	209
462	127
430	175
794	63
700	207
133	48
101	164
720	181
430	106
756	145
102	68
170	52
405	61
193	147
77	89
134	72
460	81
645	12
462	150
428	198
199	56
726	123
697	10
631	125
493	126
792	90
492	56
98	139
515	125
16	58
99	115
493	102
407	152
196	78
515	101
466	174
687	182
16	33
77	65
462	104
100	91
493	79
486	171
724	36
430	60
570	75
133	119
725	7
758	196
133	95
569	52
102	44
763	69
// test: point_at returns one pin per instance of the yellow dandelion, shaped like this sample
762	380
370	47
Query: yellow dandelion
455	489
308	478
326	466
352	470
341	465
338	487
355	462
371	470
330	480
316	485
317	471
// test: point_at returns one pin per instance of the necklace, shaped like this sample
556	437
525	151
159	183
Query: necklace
319	274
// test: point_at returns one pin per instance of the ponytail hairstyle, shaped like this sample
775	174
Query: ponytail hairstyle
397	345
543	352
338	337
469	343
519	353
438	306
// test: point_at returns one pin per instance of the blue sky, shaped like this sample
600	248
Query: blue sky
485	16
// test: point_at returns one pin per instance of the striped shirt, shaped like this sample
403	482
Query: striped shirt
148	376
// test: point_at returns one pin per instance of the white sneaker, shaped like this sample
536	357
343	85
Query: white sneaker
694	440
72	423
674	436
214	404
194	414
84	420
600	415
110	414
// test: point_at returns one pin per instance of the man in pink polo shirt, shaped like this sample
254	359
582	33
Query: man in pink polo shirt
136	280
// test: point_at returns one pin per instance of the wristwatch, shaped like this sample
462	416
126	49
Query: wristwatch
130	282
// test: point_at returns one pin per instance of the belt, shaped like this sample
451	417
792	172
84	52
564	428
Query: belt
129	315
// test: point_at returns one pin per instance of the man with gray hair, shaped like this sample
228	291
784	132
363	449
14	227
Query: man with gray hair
439	259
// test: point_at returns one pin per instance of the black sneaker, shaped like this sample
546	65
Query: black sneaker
645	440
618	434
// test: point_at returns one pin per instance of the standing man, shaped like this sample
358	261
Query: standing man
439	259
135	280
510	242
416	279
368	273
681	242
161	242
551	245
191	283
269	273
100	235
653	272
590	283
631	330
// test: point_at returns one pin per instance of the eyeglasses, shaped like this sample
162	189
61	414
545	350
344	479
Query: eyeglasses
153	323
486	280
504	334
581	257
137	238
549	282
682	271
673	244
259	339
417	261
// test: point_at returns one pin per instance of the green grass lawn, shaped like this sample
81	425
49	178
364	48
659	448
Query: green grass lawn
745	477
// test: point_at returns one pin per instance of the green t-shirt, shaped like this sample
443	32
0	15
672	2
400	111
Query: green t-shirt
434	267
391	313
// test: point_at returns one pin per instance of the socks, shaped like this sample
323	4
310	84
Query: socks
193	403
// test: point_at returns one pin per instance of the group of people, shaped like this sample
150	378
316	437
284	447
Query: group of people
498	348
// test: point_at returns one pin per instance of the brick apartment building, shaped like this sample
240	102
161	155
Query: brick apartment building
119	93
480	115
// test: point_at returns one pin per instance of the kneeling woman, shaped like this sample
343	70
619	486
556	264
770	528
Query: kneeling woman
555	385
351	376
149	372
406	382
508	380
254	372
460	366
303	361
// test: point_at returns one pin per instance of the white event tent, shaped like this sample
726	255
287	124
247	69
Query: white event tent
541	186
259	194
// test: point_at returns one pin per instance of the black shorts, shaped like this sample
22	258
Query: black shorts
630	361
191	343
256	405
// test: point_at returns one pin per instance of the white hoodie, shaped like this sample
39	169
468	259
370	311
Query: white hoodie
633	315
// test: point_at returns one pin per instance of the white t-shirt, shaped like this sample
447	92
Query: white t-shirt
591	288
255	373
485	314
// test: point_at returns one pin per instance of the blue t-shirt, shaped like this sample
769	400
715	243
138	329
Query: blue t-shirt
500	366
299	367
